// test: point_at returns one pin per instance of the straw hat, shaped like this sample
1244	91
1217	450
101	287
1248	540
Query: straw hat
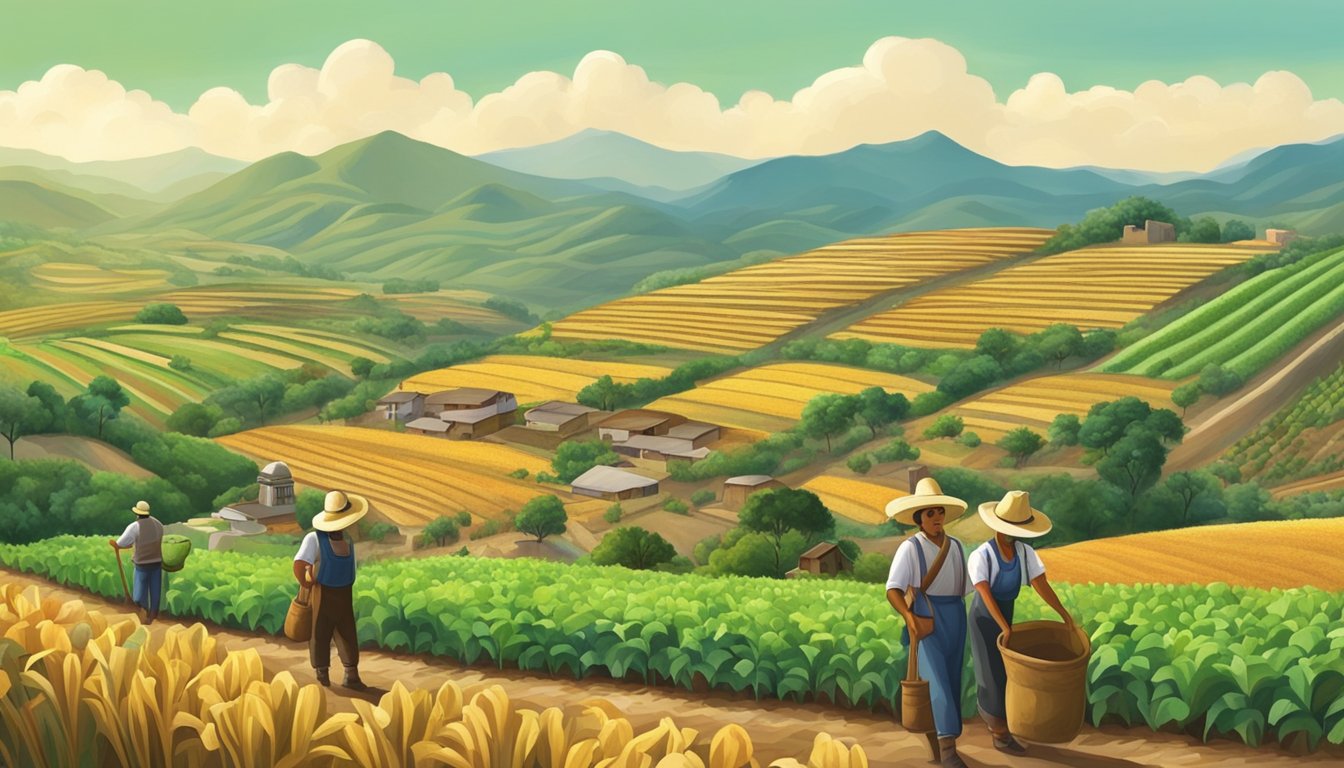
141	508
340	511
1013	515
927	494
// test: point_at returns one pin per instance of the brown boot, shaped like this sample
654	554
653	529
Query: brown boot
352	680
323	677
947	746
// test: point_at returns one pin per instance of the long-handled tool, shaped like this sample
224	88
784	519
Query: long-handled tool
121	571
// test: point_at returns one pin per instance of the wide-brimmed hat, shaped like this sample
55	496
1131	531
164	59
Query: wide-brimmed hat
340	511
927	494
1013	515
141	508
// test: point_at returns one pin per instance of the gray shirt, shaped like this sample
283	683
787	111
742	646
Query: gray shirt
146	535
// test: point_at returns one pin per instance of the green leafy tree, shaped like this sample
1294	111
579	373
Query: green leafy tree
1021	443
1218	381
541	517
1185	396
441	530
1166	424
1235	230
634	548
1188	488
745	553
777	511
971	375
1107	422
194	419
258	397
101	403
998	344
1134	463
896	450
20	414
850	549
574	457
161	314
1098	342
307	505
1064	429
55	413
180	363
1203	230
603	394
877	408
1059	342
1225	471
947	425
828	415
1106	225
361	367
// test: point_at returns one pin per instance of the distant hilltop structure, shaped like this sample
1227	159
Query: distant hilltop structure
1152	232
1280	236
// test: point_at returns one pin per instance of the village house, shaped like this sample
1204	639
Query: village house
470	412
623	425
825	559
557	416
655	448
1280	236
429	427
403	406
274	506
697	433
737	489
1152	232
614	484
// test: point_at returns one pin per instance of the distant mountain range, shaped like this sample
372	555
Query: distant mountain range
582	220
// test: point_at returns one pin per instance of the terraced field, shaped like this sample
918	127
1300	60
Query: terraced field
409	479
1303	440
771	398
749	307
1097	287
857	500
1275	554
1034	403
89	280
531	379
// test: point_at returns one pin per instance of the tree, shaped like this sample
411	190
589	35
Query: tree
1166	424
998	344
1203	230
180	363
441	530
194	419
541	517
827	415
361	366
101	402
1226	471
1106	225
20	413
1106	422
260	396
1064	429
877	408
161	314
1021	443
946	425
603	394
1185	396
1059	342
896	450
574	457
969	439
1218	381
1134	463
971	375
55	413
779	510
634	548
1235	230
463	519
307	504
1098	342
1188	487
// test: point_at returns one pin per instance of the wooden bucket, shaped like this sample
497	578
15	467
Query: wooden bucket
299	619
916	706
1046	665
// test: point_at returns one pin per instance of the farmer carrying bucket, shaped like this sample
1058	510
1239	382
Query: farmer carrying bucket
999	569
930	567
145	534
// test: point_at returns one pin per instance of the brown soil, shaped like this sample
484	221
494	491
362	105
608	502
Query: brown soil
778	729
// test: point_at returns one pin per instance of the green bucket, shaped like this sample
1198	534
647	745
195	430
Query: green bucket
175	549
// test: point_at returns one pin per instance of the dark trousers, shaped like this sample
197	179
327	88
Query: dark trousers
333	615
147	587
991	679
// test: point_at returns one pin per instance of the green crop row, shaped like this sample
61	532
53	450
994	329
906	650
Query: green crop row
1271	452
1220	660
1223	328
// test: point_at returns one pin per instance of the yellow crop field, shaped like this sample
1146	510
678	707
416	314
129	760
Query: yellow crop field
749	307
89	279
770	398
1273	554
1035	403
334	342
1098	287
531	379
410	479
857	500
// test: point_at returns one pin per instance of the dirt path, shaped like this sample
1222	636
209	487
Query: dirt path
777	729
1215	432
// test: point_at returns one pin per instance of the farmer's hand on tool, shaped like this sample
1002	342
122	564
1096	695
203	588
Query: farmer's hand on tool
112	543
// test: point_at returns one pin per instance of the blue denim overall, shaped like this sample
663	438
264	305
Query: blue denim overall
942	655
992	681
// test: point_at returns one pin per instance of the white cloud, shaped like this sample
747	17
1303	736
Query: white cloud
902	88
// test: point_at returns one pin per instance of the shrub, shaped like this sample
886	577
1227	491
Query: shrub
702	497
381	530
519	473
896	450
946	425
613	514
180	363
463	518
677	506
161	314
441	530
859	464
969	439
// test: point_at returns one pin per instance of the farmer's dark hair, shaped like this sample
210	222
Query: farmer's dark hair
918	513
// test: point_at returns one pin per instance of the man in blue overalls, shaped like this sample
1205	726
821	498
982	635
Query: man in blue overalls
937	619
326	564
998	570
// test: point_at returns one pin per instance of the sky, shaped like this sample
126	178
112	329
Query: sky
732	51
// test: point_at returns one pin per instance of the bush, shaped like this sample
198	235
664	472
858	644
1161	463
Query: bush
859	464
1218	381
440	531
463	519
896	450
946	425
676	506
613	514
634	548
307	504
702	497
872	568
969	439
519	473
180	363
161	314
381	530
489	528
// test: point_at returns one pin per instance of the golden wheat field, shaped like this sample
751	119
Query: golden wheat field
1098	287
749	307
770	398
857	500
87	279
1035	403
1273	554
410	479
531	379
182	697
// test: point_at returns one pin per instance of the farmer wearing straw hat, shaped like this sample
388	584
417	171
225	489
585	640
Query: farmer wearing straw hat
145	534
999	569
328	549
937	618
